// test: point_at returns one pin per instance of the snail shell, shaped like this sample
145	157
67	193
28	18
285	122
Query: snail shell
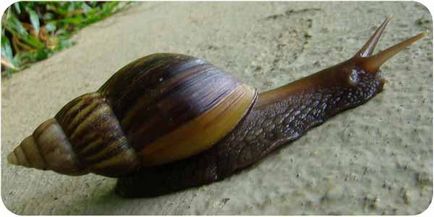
134	119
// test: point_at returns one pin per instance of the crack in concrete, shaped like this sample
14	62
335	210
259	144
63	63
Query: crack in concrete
291	12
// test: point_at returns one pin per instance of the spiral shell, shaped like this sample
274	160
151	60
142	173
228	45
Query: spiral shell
157	109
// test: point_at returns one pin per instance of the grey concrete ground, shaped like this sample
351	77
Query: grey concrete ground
376	158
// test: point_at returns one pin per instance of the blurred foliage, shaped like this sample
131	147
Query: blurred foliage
33	31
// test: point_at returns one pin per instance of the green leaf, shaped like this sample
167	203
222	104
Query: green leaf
6	49
86	8
59	18
48	16
51	26
35	42
15	25
41	54
34	19
77	20
17	7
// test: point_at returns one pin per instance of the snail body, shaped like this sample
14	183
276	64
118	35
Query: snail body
167	122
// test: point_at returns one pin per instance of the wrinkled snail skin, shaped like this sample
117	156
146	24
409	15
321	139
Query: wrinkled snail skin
167	122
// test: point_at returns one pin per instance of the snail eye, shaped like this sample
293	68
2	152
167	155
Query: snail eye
354	77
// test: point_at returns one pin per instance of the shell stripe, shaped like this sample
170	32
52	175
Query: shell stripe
70	111
108	152
149	99
126	74
88	119
90	138
90	147
184	110
141	76
180	104
96	136
81	115
105	152
111	137
107	129
55	148
202	132
117	164
62	114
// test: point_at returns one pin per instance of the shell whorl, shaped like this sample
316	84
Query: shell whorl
47	148
157	109
96	136
84	137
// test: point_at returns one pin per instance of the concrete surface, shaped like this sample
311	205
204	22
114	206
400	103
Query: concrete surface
375	159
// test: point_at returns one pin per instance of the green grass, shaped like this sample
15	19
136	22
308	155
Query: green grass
33	31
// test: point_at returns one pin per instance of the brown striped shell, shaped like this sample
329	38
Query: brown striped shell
157	109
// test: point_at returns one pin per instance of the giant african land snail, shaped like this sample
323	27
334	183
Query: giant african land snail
167	122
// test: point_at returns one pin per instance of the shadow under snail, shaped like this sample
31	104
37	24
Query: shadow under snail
167	122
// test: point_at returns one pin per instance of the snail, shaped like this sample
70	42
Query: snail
167	122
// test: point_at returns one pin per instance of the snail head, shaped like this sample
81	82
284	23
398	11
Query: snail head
360	76
363	69
365	65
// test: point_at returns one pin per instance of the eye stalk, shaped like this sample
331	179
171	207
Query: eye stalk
369	46
371	63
